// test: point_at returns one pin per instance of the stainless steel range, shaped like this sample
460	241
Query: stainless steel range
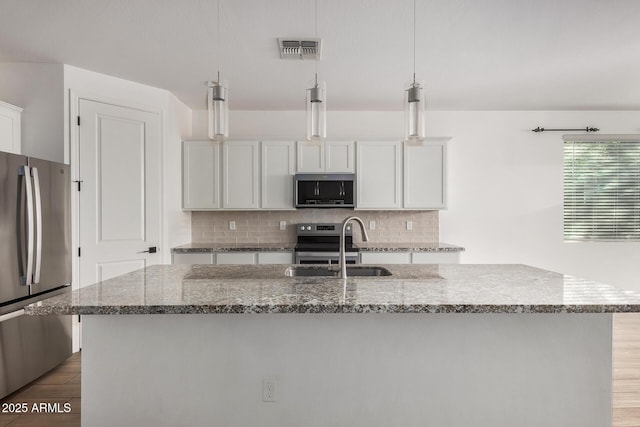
320	244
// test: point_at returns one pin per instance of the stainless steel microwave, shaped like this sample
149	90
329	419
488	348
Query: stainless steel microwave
324	190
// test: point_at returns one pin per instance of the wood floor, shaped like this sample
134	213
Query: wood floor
59	386
626	370
62	384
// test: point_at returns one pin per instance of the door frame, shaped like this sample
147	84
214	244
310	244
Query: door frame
72	157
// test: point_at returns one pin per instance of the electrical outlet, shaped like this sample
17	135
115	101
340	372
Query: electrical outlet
372	225
409	225
232	225
269	390
283	225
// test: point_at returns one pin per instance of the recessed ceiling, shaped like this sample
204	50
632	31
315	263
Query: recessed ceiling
480	55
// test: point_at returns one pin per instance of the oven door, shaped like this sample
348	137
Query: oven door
325	258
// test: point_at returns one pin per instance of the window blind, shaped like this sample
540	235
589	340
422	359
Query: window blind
602	188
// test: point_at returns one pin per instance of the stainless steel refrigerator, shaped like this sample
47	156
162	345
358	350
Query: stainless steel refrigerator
35	263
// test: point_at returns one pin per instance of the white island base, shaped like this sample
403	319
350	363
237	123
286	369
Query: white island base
347	370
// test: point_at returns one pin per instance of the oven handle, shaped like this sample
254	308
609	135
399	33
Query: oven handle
325	254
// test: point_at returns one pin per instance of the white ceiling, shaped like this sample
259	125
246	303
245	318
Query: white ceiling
485	55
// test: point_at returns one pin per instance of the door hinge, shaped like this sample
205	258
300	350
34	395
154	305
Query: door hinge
79	251
79	182
78	120
79	319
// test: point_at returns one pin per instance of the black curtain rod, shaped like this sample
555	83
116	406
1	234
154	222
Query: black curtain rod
587	129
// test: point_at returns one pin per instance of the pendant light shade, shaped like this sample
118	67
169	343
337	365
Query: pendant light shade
414	113
218	97
218	109
316	112
414	105
316	99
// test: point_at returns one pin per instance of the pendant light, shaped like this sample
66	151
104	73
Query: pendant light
414	107
316	100
217	98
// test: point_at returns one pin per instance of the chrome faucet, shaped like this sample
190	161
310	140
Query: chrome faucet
342	262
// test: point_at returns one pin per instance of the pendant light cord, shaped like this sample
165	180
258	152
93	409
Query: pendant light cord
218	36
414	43
315	35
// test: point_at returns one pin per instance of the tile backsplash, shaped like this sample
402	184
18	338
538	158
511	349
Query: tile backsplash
264	226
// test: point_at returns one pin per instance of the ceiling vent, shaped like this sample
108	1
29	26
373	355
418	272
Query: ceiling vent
300	48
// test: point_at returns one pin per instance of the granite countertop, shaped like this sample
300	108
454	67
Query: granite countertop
284	247
450	288
191	248
407	247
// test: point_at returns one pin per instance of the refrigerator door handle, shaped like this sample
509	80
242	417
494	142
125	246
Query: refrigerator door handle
38	216
26	171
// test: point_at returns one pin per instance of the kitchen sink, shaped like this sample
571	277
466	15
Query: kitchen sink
321	271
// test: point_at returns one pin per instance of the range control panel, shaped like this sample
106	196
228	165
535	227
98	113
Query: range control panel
324	229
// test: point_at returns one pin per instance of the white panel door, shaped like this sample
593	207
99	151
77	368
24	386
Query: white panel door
379	175
339	156
424	176
310	156
119	201
240	174
201	174
278	167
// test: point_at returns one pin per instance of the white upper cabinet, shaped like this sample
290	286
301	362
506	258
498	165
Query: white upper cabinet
310	156
10	128
245	175
278	167
379	175
240	174
424	174
201	175
325	156
339	156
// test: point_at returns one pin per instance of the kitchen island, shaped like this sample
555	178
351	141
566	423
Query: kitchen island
454	345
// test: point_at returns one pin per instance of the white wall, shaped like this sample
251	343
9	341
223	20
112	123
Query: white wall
505	182
38	89
506	196
177	224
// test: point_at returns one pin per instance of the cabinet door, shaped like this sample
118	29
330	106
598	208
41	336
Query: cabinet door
424	176
339	156
385	257
275	258
192	258
379	175
310	156
200	175
277	174
240	175
436	258
236	258
10	128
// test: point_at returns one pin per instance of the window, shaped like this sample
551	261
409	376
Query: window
602	187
